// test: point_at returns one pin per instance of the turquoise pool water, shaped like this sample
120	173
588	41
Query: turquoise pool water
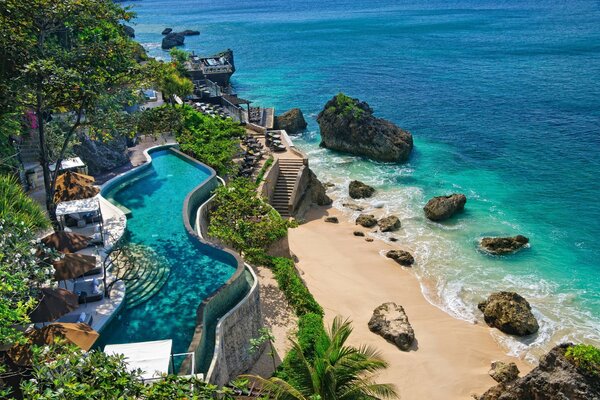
155	198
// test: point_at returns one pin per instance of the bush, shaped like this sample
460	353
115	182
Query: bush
243	220
263	170
297	294
585	357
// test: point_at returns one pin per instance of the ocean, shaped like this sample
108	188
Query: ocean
503	101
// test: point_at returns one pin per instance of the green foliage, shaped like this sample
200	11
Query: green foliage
346	106
16	205
169	79
585	357
160	120
212	140
243	220
294	289
336	372
179	58
66	372
264	169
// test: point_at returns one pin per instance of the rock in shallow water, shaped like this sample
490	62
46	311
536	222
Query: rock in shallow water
359	190
503	245
366	220
172	39
390	321
401	257
389	224
510	313
443	207
555	378
349	125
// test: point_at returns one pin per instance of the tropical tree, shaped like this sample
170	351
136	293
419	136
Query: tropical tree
337	371
15	204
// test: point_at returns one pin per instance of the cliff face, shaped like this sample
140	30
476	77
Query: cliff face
348	125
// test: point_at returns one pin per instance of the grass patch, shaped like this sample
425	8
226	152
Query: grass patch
585	357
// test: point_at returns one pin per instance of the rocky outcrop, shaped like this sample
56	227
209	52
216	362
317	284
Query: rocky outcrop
359	190
555	378
510	313
443	207
333	220
129	31
172	39
100	156
390	321
401	257
166	31
389	224
314	194
366	220
504	372
291	121
503	245
190	32
349	125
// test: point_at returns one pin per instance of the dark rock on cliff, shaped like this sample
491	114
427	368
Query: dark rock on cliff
368	221
348	125
129	31
389	224
101	157
390	321
291	121
172	39
190	32
166	31
509	312
443	207
359	190
401	257
555	378
503	245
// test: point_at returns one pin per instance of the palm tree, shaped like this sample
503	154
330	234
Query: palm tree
15	203
337	372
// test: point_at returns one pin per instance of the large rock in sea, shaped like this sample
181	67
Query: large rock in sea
190	32
389	224
509	312
291	121
166	31
390	321
359	190
366	220
503	245
348	125
555	378
172	39
401	257
443	207
100	156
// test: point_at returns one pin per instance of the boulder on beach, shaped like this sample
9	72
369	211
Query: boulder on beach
349	125
510	313
366	220
353	206
359	190
390	321
172	39
358	233
556	377
190	32
503	245
291	121
443	207
166	31
333	220
504	372
389	224
401	257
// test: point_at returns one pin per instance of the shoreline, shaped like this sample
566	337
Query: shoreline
348	276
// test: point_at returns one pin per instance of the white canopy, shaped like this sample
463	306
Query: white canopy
151	357
77	206
69	163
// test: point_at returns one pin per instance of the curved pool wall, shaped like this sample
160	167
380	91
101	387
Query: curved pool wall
239	292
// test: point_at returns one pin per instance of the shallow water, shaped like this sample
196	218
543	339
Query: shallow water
503	100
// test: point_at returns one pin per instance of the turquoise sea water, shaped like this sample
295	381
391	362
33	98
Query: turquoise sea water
155	198
503	100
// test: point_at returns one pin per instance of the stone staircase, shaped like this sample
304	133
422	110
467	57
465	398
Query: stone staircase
288	172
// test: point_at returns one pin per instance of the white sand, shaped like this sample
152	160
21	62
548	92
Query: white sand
348	277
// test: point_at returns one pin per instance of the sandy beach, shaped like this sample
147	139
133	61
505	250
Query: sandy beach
349	277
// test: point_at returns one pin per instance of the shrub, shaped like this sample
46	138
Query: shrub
291	285
347	106
14	201
585	357
263	170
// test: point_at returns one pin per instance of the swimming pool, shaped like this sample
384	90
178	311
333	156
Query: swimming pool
153	199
